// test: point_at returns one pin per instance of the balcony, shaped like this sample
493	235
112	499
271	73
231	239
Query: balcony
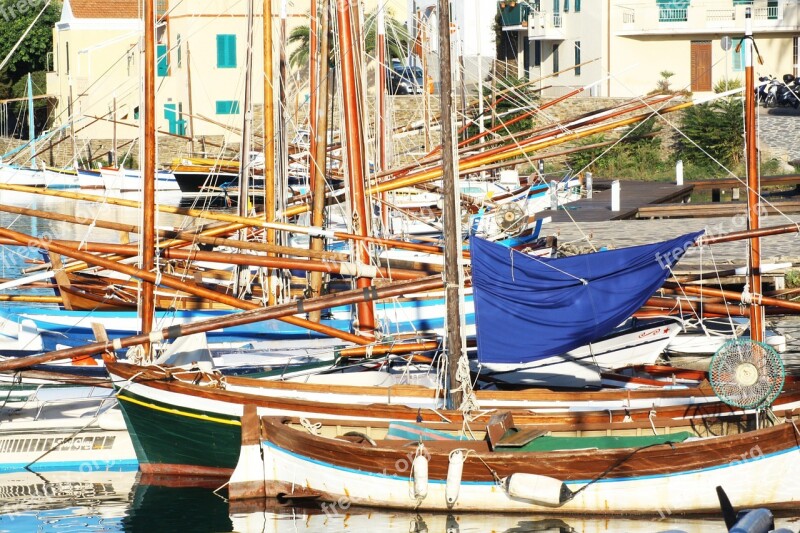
544	26
513	15
706	17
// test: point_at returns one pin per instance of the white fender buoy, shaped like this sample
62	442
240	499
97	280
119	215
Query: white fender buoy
419	471
541	490
454	471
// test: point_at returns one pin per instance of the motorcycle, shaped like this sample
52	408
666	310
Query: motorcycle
767	90
788	93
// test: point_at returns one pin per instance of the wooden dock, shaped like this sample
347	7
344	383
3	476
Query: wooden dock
633	195
658	199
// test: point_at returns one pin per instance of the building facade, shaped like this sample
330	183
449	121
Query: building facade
628	45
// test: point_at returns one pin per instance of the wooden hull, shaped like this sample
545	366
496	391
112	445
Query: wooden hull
191	426
760	468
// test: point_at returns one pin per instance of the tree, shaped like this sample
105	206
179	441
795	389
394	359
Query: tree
31	56
396	37
714	129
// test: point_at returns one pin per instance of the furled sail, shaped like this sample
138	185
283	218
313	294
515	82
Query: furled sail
527	308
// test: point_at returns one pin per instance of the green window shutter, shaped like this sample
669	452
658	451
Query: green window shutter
227	107
226	51
162	60
566	6
577	58
738	58
577	6
556	66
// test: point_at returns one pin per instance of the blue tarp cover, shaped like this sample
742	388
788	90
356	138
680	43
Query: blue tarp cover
528	308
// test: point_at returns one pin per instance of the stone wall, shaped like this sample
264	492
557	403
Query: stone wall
406	114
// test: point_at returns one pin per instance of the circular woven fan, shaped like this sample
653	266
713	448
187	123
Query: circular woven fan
747	374
510	218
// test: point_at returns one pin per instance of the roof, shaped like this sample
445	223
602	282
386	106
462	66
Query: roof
105	9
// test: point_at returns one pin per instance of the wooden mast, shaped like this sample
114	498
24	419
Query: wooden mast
450	211
380	115
270	166
241	280
319	154
189	98
147	308
753	184
355	154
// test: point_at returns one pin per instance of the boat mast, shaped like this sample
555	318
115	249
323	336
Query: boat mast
450	212
270	167
242	274
319	152
753	184
380	122
147	308
31	126
355	154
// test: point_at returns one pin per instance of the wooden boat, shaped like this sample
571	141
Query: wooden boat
188	422
588	476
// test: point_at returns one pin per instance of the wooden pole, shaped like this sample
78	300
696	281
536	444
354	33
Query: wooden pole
753	183
147	308
380	113
247	317
355	153
319	155
189	97
242	277
270	162
451	211
175	283
114	161
234	220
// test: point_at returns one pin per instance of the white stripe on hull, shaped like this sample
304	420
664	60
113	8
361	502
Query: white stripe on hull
749	483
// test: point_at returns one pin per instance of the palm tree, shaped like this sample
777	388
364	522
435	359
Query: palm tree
396	36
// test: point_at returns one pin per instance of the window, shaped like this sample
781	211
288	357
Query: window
566	6
67	56
162	60
537	53
178	48
227	107
577	58
738	57
556	6
555	59
226	51
577	6
795	48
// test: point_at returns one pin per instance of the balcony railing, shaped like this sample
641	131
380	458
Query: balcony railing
628	15
556	20
513	14
672	14
709	16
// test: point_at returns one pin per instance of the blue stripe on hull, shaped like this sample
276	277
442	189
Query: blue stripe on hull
125	465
